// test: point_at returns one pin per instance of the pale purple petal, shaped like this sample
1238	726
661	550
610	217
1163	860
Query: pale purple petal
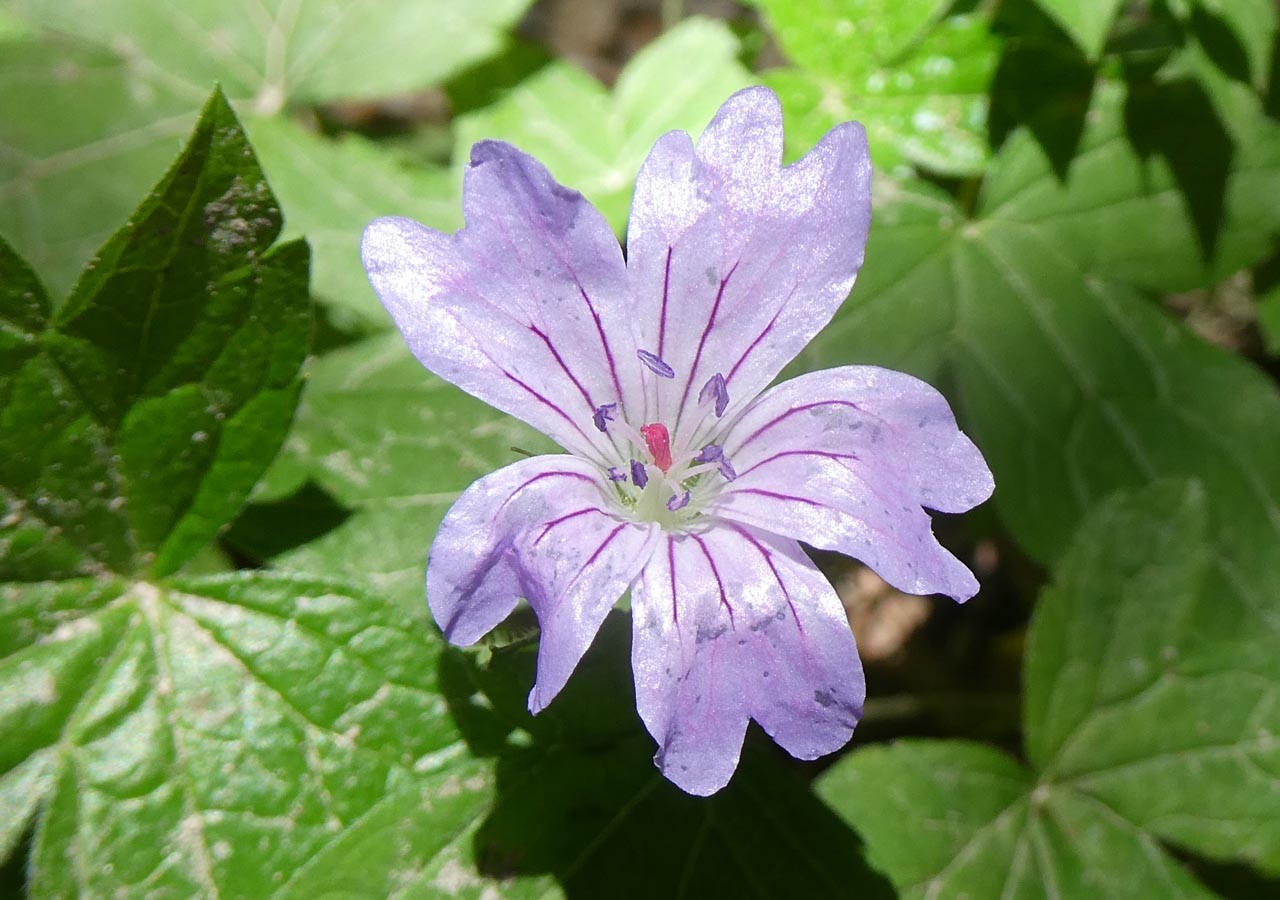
845	459
538	529
734	624
736	262
526	307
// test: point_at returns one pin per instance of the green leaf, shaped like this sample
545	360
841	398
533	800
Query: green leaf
1252	24
1171	719
330	190
919	86
278	52
68	178
595	142
395	444
1164	201
223	736
1086	21
137	419
1146	719
952	819
71	174
1072	385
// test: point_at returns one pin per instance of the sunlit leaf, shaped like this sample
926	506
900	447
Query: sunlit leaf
224	736
919	86
279	52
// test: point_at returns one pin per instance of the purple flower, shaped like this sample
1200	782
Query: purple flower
656	368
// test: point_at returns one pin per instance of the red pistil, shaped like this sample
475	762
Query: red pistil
659	442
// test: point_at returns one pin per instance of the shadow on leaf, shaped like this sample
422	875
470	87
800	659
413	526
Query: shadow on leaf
1176	121
266	530
578	795
1042	82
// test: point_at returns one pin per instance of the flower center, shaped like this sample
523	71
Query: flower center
652	482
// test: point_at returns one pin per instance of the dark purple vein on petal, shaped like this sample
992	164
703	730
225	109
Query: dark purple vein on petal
586	395
702	340
568	517
662	312
768	558
724	601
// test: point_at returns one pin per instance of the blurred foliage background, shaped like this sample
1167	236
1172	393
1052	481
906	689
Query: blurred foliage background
220	478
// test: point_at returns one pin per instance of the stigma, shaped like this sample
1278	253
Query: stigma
658	440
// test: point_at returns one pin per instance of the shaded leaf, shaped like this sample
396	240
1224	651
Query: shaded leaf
1138	696
1252	26
578	795
1086	21
1137	729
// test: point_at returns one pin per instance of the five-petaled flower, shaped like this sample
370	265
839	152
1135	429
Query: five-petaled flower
683	481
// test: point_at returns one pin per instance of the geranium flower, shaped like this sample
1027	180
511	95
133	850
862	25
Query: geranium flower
682	481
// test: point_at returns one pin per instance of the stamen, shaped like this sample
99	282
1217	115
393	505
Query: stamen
678	502
716	390
616	474
714	453
639	477
603	414
655	365
658	440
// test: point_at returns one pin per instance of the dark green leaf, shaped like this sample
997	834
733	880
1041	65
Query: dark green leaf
952	819
138	419
1087	21
1139	694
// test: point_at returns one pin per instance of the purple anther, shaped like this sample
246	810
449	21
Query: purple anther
714	453
709	453
716	390
616	474
603	414
678	502
726	468
639	477
655	365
